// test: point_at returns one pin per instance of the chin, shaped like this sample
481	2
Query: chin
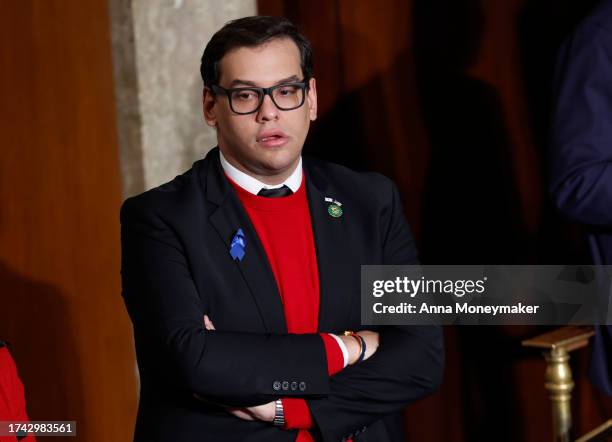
281	158
280	164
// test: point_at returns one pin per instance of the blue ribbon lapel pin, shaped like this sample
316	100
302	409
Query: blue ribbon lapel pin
238	246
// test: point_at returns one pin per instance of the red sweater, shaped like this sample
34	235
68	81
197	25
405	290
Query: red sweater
12	400
284	228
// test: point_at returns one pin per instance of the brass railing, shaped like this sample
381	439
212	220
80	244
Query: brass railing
559	383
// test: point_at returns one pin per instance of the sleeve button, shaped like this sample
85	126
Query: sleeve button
276	385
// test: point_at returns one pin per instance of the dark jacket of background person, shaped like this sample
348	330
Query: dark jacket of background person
581	157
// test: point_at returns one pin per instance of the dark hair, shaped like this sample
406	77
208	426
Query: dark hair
251	32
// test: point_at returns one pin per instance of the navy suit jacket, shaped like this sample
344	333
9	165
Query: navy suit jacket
581	160
176	267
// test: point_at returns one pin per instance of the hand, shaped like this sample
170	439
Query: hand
264	413
208	325
371	339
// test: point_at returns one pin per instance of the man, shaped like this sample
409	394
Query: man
241	275
581	173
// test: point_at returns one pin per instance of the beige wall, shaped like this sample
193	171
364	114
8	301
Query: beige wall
157	48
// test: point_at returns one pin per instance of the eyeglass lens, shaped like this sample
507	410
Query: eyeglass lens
285	97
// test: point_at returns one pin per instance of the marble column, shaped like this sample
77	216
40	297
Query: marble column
157	46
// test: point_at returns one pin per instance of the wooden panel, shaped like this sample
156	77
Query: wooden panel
60	193
378	72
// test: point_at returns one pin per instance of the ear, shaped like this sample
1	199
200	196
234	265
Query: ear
312	99
208	107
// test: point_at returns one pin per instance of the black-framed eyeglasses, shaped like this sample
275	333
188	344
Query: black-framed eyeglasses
247	100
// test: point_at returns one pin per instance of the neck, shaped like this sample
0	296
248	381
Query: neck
272	178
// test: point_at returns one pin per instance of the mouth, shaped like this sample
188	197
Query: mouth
275	138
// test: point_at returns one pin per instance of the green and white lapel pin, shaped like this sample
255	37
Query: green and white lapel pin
335	207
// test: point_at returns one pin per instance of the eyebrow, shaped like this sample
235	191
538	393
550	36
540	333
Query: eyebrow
236	82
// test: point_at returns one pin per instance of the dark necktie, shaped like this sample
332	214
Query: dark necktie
275	193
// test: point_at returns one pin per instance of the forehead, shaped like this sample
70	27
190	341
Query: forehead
263	65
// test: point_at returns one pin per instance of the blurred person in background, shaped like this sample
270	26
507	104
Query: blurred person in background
12	399
581	155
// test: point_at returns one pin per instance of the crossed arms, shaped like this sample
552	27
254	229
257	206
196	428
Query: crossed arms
239	369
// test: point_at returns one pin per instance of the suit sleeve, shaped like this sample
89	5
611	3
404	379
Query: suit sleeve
297	414
407	365
581	150
237	369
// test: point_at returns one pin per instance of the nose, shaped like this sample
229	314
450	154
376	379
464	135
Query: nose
267	111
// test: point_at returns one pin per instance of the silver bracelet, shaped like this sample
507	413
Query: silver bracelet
279	414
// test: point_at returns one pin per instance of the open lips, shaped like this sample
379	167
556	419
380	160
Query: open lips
272	138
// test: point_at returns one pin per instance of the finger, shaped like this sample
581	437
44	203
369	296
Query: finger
264	412
241	413
208	323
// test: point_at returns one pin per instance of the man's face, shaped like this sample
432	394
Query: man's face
266	144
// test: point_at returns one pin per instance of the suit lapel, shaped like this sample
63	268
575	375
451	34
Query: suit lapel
254	268
330	235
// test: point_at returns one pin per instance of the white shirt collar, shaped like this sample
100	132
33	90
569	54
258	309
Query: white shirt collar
253	185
